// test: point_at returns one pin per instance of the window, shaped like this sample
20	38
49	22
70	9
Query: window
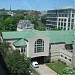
61	55
69	59
64	28
72	15
61	24
65	15
65	20
59	15
62	15
61	19
39	46
65	24
22	49
69	20
47	28
72	20
68	24
69	46
65	57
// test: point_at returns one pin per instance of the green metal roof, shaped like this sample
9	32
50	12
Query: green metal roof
20	42
54	36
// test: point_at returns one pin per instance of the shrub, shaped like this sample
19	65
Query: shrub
59	60
52	61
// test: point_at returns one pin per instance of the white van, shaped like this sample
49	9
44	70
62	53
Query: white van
35	64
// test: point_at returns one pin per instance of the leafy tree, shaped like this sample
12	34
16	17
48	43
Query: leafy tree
39	25
10	23
7	22
31	17
1	22
16	63
43	19
4	48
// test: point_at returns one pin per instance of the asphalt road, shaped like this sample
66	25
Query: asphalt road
45	70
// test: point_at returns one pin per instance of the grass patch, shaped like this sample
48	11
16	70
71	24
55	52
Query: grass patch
57	67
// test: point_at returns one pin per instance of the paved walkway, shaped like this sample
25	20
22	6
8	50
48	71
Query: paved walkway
45	70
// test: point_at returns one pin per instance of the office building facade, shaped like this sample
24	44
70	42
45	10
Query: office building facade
63	19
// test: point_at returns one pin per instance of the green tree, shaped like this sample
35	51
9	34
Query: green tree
31	17
43	19
17	64
1	23
7	23
39	26
10	23
4	48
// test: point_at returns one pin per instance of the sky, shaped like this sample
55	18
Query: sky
39	5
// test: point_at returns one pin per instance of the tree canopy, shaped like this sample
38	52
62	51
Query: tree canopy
4	48
10	23
16	63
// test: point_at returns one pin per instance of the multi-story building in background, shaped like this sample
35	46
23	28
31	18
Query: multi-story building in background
63	19
24	24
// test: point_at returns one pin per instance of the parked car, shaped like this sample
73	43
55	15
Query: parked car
35	64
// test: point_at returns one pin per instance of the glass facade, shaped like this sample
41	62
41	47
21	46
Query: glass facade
39	46
52	21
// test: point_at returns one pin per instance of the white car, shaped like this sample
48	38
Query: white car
35	64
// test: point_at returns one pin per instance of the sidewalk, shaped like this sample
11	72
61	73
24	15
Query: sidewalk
45	70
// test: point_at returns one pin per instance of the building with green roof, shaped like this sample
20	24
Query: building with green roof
20	42
42	46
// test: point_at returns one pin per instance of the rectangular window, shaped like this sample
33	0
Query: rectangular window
65	20
72	20
62	20
68	24
72	15
65	15
61	24
65	24
22	49
62	15
69	20
59	15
